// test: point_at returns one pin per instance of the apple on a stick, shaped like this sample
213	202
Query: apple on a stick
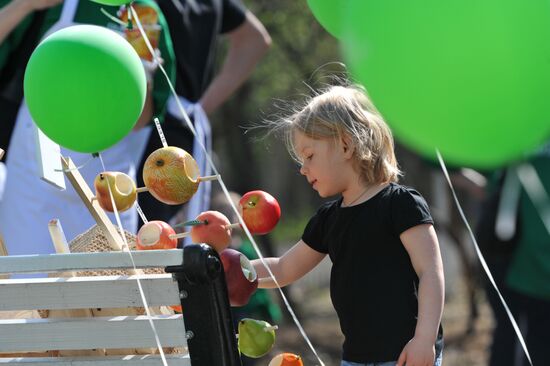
156	235
286	359
172	175
260	211
215	230
240	276
121	186
256	337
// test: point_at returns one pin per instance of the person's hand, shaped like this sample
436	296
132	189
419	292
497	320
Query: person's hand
418	352
39	4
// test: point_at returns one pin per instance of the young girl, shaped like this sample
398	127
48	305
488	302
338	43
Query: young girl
387	275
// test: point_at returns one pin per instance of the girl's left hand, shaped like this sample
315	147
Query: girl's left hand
418	352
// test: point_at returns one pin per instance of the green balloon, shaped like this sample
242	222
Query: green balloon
85	87
329	13
469	77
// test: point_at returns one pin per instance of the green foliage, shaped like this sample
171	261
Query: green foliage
291	227
302	53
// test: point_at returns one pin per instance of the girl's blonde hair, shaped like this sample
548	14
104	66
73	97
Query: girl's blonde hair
340	111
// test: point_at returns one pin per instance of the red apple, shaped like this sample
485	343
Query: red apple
122	187
215	231
286	359
240	276
260	211
156	235
171	175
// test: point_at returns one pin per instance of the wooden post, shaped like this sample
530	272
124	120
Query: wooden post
115	240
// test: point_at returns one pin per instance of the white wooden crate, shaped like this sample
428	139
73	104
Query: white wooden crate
120	332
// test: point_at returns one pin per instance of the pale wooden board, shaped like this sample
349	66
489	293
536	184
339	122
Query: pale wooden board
85	193
20	335
49	162
82	261
87	292
130	360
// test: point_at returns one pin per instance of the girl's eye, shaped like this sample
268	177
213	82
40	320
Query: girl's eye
309	157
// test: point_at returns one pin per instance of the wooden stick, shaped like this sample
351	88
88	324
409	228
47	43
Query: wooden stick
270	328
142	189
85	193
3	250
59	242
1	153
208	178
58	236
233	226
180	235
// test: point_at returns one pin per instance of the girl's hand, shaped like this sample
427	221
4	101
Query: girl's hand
418	352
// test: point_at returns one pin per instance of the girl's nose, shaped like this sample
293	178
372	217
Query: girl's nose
303	170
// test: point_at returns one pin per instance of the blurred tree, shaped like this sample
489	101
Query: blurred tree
300	49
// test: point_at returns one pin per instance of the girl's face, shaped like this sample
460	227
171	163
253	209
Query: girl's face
326	164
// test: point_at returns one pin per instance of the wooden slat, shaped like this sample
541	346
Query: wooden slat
23	335
130	360
83	261
87	292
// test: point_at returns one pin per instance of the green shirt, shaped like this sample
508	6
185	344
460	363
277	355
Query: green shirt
89	12
529	271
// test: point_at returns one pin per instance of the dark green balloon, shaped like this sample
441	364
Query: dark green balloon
85	87
470	77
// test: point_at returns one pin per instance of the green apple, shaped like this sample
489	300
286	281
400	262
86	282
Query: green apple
256	337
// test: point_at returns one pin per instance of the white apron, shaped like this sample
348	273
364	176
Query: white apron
29	203
201	200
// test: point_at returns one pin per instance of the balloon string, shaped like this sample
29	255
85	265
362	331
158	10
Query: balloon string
113	18
141	292
78	167
482	259
223	186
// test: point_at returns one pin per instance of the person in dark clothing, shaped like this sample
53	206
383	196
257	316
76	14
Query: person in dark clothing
196	26
387	276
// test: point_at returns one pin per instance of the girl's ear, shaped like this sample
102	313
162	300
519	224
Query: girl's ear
347	146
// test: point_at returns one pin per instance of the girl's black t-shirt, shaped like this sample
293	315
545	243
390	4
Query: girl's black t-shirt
373	284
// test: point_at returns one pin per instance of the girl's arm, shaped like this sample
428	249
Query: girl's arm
14	12
295	263
423	248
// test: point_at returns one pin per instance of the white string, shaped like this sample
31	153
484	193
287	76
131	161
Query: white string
482	259
75	168
161	134
224	188
142	294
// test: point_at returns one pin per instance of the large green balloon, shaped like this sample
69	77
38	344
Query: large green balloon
329	13
85	87
470	77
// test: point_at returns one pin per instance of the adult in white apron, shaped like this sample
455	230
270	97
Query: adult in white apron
201	199
29	203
